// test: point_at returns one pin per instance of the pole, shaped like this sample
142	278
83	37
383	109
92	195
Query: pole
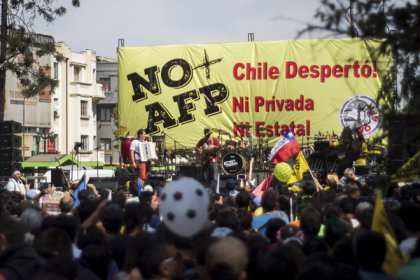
291	208
23	129
72	165
67	107
77	164
97	162
175	151
36	177
317	184
218	183
3	50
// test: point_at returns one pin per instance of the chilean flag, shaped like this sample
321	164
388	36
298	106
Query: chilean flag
284	148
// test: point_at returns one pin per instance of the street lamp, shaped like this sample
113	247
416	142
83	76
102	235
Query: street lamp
49	136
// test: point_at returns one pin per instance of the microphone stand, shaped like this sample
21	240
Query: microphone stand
175	150
163	157
64	175
97	157
175	142
72	164
97	153
77	146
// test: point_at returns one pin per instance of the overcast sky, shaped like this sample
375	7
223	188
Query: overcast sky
98	24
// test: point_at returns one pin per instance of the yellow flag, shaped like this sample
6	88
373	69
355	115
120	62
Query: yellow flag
394	258
410	171
300	166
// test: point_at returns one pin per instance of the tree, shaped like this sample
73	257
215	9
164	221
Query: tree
20	46
398	24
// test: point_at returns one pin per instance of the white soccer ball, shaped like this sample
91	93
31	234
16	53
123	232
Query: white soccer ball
184	206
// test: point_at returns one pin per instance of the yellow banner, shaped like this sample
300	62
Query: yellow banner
259	89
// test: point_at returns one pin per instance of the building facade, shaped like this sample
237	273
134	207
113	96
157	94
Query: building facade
75	102
107	126
56	123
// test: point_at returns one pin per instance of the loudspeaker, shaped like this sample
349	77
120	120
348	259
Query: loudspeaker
57	178
10	127
110	183
10	155
404	140
190	171
10	140
6	168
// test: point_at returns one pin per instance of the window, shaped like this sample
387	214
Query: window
84	139
105	114
105	144
29	130
77	73
84	109
55	70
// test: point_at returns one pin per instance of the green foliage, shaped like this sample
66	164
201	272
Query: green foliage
25	11
398	23
24	48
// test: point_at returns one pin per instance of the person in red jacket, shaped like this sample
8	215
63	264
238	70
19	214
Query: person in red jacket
206	149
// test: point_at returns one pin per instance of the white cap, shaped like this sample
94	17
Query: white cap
148	188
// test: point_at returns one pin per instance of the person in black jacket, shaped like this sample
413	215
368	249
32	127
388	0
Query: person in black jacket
17	260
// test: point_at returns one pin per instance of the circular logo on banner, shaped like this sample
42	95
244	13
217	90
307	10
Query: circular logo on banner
362	112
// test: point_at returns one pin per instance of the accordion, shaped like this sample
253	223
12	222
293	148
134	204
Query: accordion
147	151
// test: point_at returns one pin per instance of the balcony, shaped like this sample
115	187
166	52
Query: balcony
87	90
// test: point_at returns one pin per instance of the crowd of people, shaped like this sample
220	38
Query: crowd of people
324	235
302	231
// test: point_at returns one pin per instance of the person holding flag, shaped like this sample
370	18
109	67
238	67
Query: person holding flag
299	168
393	259
285	147
81	185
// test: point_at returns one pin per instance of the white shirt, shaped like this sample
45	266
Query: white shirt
16	186
135	146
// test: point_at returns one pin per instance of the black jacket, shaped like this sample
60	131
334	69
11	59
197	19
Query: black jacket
19	261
